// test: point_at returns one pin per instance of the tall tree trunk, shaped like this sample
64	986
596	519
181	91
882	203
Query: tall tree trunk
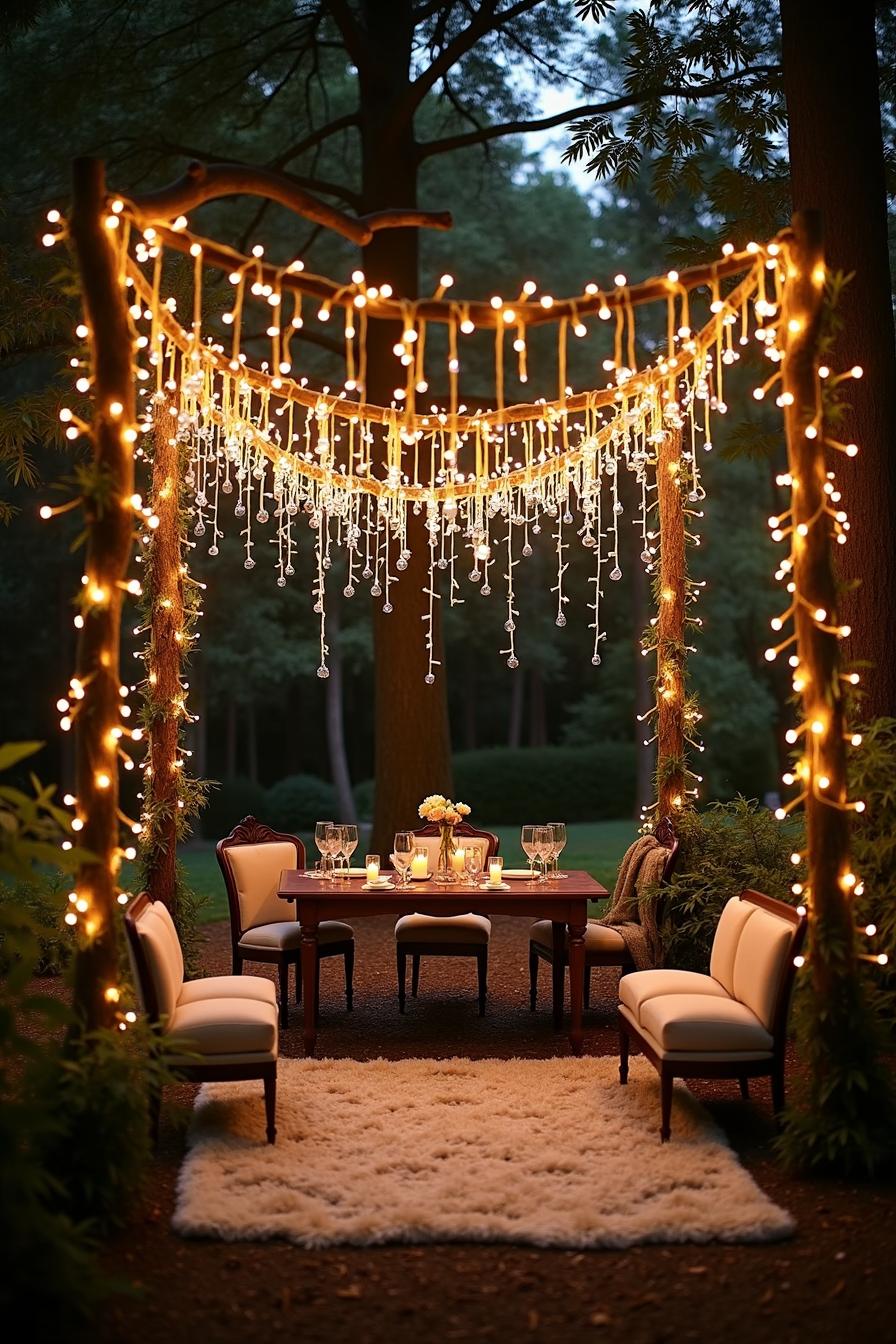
345	799
515	720
109	526
230	763
413	747
837	166
670	659
252	742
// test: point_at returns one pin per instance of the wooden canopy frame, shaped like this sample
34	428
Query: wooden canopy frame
109	534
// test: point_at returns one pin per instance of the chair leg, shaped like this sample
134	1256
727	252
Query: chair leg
155	1115
482	966
284	993
237	963
623	1052
270	1103
588	970
745	1089
402	967
298	982
666	1082
778	1087
415	974
349	976
317	992
533	977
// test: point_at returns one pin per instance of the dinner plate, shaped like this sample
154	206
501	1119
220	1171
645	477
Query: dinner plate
379	886
518	874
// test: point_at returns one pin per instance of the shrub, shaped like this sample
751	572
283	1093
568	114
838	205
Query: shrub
505	784
298	802
724	849
44	901
228	803
872	777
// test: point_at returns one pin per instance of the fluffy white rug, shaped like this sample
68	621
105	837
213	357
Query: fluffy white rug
550	1152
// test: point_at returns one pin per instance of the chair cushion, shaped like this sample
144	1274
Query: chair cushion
597	937
228	987
164	915
449	929
256	873
696	1022
226	1026
731	925
165	966
761	961
637	988
287	934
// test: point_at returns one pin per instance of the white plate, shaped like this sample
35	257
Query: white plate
379	886
518	874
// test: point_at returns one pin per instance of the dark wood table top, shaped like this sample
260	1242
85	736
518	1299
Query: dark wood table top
521	897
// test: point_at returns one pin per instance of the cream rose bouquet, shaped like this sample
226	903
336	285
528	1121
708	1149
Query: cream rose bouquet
446	814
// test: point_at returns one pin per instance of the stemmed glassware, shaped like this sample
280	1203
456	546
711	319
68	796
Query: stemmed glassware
322	839
402	853
559	832
543	844
527	840
473	862
348	843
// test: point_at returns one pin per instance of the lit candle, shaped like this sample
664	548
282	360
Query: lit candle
373	867
495	872
420	863
458	861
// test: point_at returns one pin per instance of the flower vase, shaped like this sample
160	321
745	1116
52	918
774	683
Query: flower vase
445	874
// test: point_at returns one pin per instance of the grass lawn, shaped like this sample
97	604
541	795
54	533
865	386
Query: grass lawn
595	846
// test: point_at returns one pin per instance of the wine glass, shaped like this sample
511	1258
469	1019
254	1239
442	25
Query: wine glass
334	845
473	863
349	844
403	852
527	840
559	830
321	830
542	842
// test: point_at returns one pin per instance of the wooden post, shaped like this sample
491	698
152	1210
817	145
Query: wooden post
670	643
818	675
164	581
109	525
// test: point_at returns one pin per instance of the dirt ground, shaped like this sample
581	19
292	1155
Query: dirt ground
834	1279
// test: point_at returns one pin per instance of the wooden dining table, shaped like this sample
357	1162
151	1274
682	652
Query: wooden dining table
564	901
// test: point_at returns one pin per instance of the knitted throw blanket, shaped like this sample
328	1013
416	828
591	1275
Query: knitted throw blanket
630	913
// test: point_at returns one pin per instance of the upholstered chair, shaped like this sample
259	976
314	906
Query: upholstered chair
419	936
220	1028
731	1023
262	926
603	946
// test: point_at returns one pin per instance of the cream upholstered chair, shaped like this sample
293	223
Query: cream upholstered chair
262	926
417	936
731	1023
226	1024
603	946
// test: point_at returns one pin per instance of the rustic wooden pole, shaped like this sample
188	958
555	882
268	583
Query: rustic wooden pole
670	642
164	579
109	526
818	676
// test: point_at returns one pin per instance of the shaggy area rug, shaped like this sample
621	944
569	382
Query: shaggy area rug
547	1152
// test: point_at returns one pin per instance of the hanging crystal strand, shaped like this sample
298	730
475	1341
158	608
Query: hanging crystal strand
387	577
320	590
562	566
376	589
613	468
512	612
367	572
598	594
432	529
453	584
354	535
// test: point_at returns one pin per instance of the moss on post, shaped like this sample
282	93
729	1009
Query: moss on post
671	728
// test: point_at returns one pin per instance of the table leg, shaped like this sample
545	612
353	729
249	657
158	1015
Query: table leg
309	984
558	968
576	984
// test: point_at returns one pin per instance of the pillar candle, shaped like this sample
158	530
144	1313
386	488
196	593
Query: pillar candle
420	864
458	861
373	871
495	872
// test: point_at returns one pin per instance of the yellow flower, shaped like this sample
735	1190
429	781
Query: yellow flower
463	809
452	817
